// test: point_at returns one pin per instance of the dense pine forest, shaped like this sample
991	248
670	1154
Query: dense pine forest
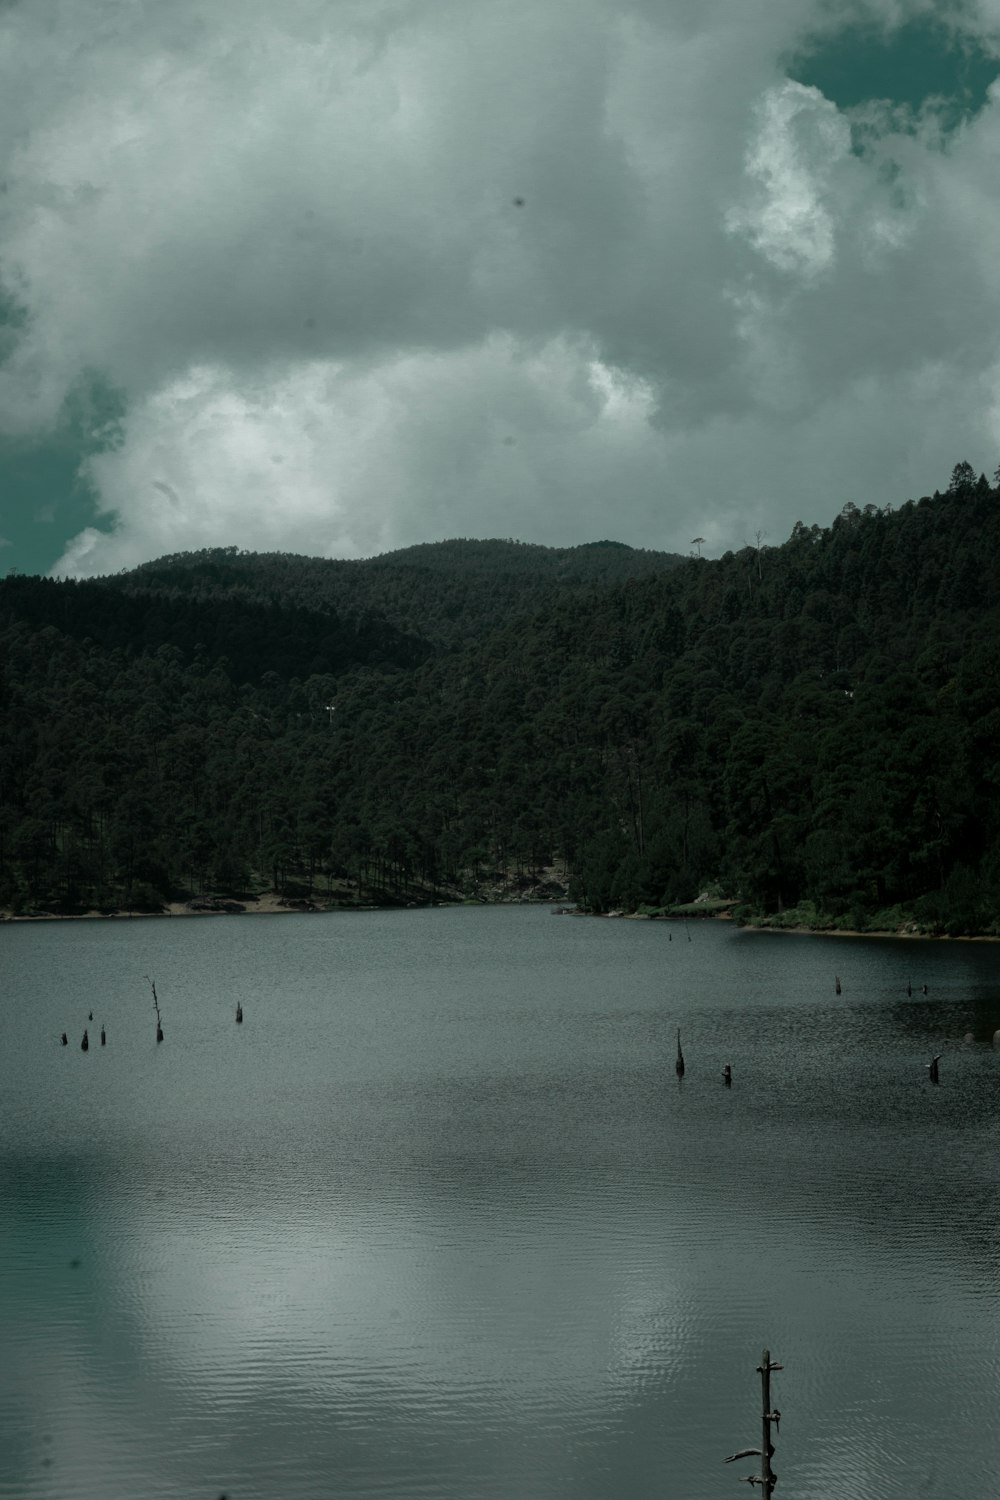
809	730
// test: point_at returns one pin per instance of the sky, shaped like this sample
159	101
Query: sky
339	276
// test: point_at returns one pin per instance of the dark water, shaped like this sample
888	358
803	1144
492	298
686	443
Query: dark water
440	1221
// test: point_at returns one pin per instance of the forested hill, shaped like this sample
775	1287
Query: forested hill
442	592
811	727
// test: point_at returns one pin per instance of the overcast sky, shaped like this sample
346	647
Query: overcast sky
337	276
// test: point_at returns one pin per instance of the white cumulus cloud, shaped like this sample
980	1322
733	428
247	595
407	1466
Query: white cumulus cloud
800	140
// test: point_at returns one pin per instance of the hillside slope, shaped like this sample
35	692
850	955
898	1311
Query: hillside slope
812	726
442	592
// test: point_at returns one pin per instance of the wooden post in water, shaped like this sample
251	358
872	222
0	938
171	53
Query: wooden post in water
767	1479
836	984
679	1064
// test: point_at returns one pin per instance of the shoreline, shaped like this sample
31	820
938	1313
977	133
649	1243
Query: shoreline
836	932
270	905
265	906
887	932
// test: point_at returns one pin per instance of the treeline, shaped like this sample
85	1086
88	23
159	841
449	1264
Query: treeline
809	726
441	592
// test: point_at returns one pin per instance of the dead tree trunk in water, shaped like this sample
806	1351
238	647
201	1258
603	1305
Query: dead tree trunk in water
767	1479
156	1006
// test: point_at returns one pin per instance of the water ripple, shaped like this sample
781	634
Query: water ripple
441	1221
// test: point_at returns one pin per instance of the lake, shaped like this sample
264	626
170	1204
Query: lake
439	1220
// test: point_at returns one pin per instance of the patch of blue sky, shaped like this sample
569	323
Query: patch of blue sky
44	496
925	65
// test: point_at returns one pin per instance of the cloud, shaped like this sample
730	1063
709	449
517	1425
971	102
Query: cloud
275	189
799	142
329	461
289	237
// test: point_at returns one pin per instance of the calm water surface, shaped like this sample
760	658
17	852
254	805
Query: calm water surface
440	1221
